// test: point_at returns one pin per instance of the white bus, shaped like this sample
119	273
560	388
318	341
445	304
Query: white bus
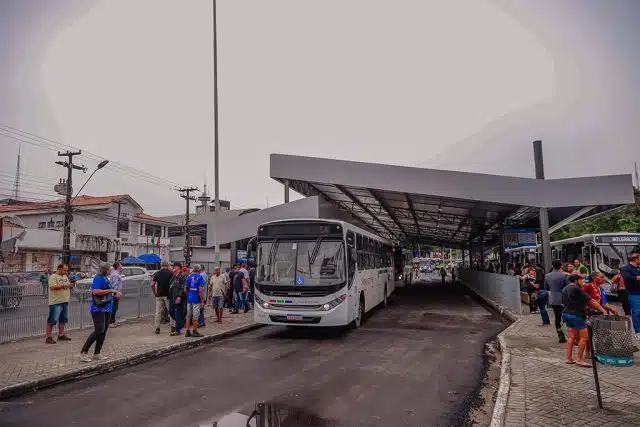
604	252
316	272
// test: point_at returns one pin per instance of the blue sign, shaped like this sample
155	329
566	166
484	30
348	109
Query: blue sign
300	280
519	237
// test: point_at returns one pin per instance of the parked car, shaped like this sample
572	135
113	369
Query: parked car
134	279
10	291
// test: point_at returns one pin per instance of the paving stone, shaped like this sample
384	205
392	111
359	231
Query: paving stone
547	392
32	359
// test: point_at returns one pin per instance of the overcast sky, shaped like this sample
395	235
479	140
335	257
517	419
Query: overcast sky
453	84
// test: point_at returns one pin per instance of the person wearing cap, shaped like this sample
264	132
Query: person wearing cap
177	299
575	302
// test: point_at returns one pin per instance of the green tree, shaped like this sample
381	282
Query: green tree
625	219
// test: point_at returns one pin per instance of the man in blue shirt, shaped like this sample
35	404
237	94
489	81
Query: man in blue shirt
195	300
631	276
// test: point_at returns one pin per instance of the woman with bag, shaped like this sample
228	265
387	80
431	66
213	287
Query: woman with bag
102	295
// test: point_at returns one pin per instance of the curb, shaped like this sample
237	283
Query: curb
89	371
500	405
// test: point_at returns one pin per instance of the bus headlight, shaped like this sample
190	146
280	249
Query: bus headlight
260	302
331	304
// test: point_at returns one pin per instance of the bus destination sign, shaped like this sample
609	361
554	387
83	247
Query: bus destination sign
619	240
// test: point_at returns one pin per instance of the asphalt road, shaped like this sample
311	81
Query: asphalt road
418	362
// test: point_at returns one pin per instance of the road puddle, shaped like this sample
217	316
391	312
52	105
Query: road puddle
272	414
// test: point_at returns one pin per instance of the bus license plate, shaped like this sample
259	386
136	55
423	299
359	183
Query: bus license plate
296	317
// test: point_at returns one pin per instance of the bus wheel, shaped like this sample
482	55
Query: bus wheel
384	301
358	320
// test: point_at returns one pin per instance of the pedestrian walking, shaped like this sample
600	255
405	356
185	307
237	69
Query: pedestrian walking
631	275
205	288
575	301
195	300
59	296
116	281
44	282
177	299
555	282
160	285
217	290
102	296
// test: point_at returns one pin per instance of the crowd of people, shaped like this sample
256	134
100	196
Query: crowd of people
575	293
184	293
181	294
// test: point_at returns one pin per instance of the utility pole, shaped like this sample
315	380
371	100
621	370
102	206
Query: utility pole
119	202
16	186
544	213
216	160
635	165
68	217
185	193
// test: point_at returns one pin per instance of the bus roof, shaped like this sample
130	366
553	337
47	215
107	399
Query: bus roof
345	225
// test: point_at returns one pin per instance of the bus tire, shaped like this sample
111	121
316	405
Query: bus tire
385	301
357	322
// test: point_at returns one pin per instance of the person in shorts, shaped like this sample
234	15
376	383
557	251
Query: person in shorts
195	300
575	301
218	287
59	296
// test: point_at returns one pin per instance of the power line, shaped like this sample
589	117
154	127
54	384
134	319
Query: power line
42	142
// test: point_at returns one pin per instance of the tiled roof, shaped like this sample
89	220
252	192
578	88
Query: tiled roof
79	201
152	218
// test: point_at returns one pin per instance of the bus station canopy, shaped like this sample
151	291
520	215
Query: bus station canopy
444	207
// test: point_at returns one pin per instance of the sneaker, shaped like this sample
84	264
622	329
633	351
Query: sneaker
188	333
64	338
157	331
50	340
114	325
173	329
175	334
85	358
196	334
202	326
99	357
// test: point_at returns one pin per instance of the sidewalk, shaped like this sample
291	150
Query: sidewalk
31	364
544	391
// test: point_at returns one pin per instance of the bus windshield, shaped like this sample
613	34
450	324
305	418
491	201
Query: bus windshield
612	257
301	263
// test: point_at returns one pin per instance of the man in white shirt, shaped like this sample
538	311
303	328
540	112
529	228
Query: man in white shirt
217	289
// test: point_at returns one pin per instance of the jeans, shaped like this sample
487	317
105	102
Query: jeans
543	299
623	297
201	317
177	313
634	302
240	300
557	314
114	310
100	326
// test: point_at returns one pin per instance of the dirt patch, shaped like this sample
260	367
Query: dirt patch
481	409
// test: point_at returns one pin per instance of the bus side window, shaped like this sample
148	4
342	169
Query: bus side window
352	255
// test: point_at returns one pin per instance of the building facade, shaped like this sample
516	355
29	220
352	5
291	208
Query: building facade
33	242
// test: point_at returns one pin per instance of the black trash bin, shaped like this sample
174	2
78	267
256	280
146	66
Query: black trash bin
613	339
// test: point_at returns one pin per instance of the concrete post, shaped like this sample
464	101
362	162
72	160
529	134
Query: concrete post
544	213
503	263
286	191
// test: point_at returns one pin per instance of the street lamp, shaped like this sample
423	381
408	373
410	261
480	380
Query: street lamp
68	217
100	166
